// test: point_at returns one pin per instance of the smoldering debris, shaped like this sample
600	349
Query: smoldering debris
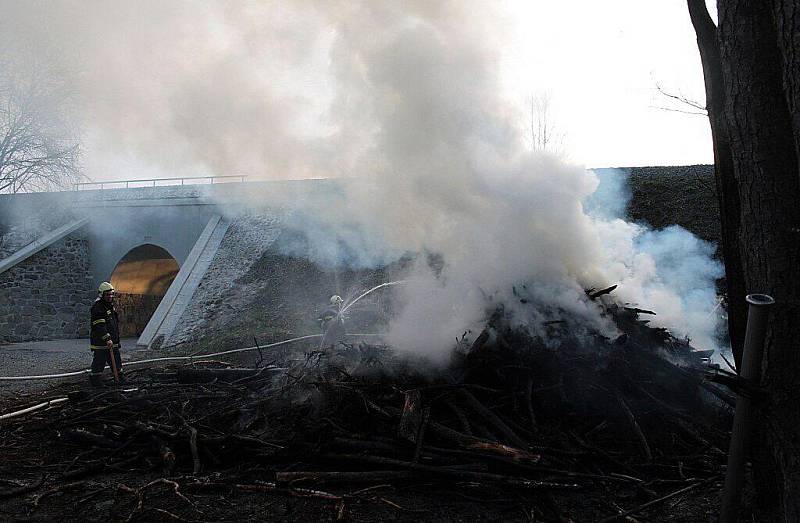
360	429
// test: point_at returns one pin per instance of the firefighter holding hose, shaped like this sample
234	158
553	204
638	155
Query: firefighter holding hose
332	323
105	343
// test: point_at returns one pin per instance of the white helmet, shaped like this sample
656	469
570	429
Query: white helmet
336	300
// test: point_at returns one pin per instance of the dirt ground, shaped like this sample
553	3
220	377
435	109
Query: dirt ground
51	357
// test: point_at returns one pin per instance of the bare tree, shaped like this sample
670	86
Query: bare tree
545	136
39	146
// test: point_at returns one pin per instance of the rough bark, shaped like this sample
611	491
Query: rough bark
760	83
782	363
727	189
752	74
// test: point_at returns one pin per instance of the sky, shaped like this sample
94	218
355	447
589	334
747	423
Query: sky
185	88
601	63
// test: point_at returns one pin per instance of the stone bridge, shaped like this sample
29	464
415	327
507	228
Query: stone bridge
154	244
173	252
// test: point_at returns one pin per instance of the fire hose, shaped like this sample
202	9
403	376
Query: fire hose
114	368
179	358
173	358
57	401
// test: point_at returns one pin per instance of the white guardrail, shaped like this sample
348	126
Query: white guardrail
158	182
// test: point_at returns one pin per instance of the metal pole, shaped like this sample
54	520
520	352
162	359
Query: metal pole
743	419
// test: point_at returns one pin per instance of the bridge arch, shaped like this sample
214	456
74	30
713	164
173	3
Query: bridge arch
145	269
141	279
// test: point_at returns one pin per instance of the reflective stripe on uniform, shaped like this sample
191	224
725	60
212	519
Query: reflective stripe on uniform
101	320
103	347
106	336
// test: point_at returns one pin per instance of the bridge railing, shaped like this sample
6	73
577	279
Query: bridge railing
158	182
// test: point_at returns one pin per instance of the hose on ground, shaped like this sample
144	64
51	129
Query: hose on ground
172	358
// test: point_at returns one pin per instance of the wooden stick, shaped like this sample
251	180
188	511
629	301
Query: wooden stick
193	447
23	490
453	435
57	488
345	477
657	501
636	428
268	487
40	406
464	475
492	418
113	363
411	418
529	404
597	294
426	416
462	418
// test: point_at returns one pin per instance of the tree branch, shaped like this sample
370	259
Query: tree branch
682	99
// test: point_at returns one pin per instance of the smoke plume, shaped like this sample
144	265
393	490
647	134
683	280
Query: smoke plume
405	100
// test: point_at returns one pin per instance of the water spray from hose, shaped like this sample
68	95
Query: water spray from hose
387	284
344	309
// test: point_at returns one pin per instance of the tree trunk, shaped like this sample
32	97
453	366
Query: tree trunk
782	274
761	131
727	189
760	85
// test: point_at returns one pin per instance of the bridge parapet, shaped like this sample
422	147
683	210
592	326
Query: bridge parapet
158	182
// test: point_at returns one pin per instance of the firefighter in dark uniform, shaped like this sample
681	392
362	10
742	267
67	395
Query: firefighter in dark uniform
104	334
332	323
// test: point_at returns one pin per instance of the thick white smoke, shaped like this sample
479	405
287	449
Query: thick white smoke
184	88
406	99
454	178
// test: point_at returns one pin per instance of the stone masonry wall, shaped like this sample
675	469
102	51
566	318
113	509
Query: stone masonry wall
253	293
48	296
218	297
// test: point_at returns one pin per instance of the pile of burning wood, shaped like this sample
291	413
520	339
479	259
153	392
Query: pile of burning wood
626	422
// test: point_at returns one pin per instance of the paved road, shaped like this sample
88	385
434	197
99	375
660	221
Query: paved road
49	357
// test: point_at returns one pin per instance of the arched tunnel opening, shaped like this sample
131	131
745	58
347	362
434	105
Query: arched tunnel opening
141	279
